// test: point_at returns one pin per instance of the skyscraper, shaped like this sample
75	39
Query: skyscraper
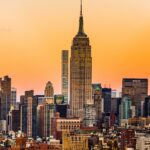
45	113
106	95
49	90
28	113
137	89
125	108
13	97
80	71
5	100
146	107
98	102
23	109
64	75
32	116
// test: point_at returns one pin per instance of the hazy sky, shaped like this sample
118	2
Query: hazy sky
33	33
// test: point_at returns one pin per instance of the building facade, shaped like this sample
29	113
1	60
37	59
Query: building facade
5	97
125	110
89	115
137	89
13	120
127	139
98	102
143	143
146	107
49	90
75	141
13	97
106	95
45	112
64	124
28	114
115	103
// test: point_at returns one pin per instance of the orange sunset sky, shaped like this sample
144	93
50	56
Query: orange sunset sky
33	33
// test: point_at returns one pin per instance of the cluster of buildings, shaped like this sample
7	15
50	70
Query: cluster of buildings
85	116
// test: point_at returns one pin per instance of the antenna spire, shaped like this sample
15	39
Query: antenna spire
81	23
81	9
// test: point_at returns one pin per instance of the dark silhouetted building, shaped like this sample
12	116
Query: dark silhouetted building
62	109
115	102
106	95
137	89
13	120
5	94
146	107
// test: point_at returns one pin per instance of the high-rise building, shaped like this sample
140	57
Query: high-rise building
23	110
106	95
64	74
125	109
146	107
29	116
89	119
45	113
116	93
115	103
28	113
13	97
80	72
40	98
49	90
137	89
5	100
13	120
98	102
60	105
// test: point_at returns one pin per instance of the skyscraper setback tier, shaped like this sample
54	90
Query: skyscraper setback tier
80	72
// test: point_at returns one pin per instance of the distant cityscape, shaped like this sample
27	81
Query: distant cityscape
85	116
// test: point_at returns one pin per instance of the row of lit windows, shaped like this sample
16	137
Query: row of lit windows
69	127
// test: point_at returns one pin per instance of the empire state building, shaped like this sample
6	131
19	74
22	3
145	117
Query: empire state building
80	72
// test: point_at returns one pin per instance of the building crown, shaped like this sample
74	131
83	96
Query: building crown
81	23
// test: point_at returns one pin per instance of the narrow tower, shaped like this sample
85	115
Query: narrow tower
80	71
64	75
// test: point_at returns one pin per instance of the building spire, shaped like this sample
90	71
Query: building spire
81	9
81	23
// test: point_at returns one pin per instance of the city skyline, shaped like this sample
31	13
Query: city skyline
113	47
72	97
